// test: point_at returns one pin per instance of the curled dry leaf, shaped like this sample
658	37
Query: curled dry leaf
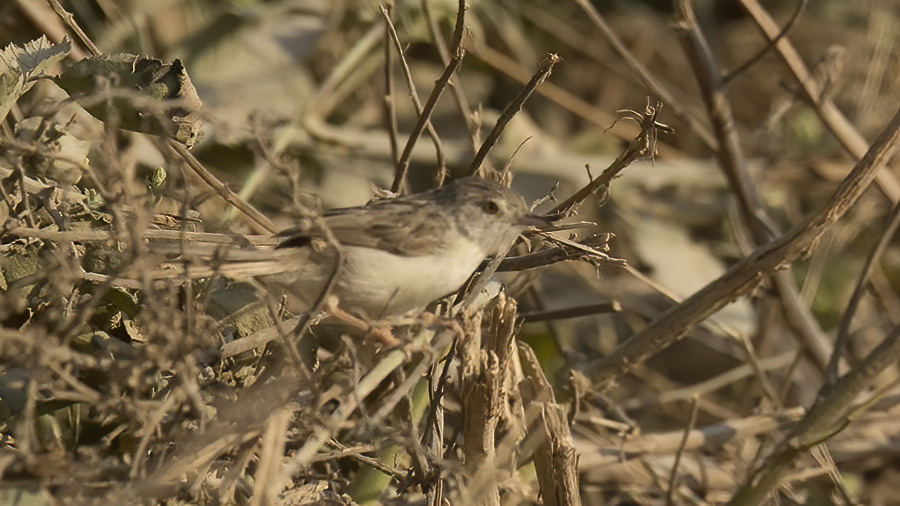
19	66
137	93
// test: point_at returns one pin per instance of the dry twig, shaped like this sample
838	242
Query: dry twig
745	275
542	73
733	163
644	145
424	112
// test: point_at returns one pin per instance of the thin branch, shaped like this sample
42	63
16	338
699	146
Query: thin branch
801	6
565	99
570	312
437	396
369	461
642	146
390	109
550	256
746	274
257	220
306	318
840	343
511	110
459	97
69	20
731	156
424	112
645	76
692	421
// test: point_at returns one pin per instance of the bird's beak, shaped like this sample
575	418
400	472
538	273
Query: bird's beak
537	222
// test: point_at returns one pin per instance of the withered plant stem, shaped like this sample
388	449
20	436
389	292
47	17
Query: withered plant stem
390	108
424	112
746	274
513	108
734	165
642	146
69	20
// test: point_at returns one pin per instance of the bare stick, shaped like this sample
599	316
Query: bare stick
390	109
570	312
734	165
424	112
561	253
566	100
642	146
511	110
745	275
257	220
831	116
731	156
69	20
692	421
460	98
843	335
458	52
645	76
801	6
304	320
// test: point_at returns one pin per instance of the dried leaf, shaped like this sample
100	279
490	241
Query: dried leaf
19	67
102	84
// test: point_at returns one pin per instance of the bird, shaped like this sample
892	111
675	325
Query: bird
390	257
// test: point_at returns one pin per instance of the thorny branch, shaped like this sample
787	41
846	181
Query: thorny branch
642	146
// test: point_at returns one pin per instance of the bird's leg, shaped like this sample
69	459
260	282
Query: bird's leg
380	332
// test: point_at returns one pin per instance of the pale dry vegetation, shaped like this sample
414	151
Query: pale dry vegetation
744	352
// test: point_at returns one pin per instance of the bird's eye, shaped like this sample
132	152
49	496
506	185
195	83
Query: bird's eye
490	207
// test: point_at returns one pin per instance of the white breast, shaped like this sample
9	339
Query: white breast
379	283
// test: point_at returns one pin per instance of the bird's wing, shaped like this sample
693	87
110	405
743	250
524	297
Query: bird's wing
399	227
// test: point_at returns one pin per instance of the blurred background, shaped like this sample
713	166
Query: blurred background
294	116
